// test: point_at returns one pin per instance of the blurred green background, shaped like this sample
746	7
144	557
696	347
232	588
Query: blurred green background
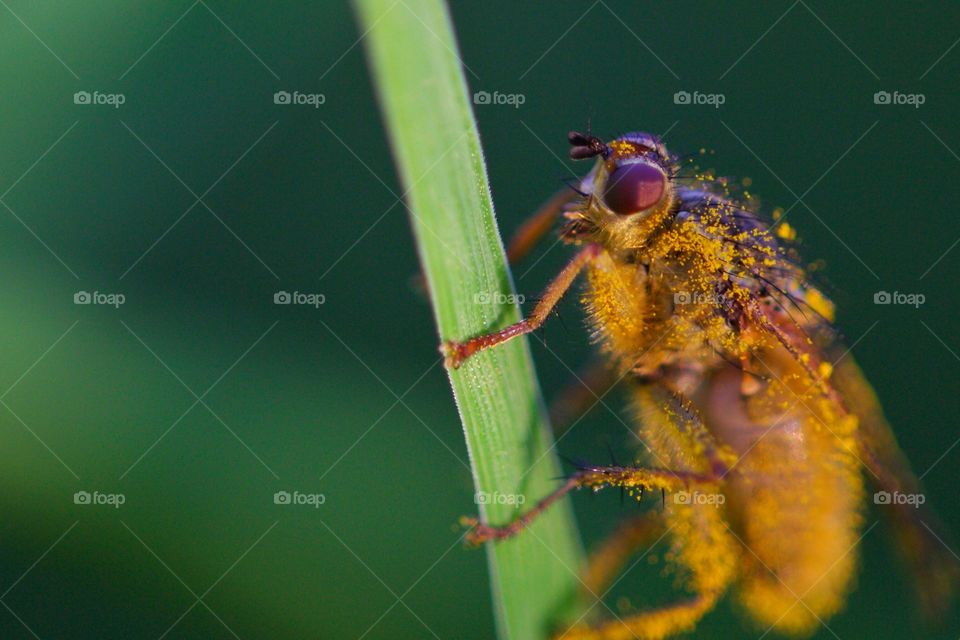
199	398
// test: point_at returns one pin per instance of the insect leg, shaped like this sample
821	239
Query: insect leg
580	394
606	561
605	564
700	542
456	352
534	228
635	479
653	624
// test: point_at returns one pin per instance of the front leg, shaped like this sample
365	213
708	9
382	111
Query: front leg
456	352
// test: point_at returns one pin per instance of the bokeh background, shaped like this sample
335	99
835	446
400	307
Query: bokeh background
199	198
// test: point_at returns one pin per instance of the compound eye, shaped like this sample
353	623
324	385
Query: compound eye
632	188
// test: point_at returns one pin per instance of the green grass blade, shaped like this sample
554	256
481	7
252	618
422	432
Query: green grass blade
425	103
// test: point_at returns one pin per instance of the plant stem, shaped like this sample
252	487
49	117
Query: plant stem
425	102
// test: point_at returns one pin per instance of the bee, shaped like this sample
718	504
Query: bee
756	420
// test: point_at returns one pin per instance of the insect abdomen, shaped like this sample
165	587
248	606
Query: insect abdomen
795	497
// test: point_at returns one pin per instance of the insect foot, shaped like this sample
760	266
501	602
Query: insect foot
454	353
479	532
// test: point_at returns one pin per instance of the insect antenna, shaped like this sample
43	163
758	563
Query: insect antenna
584	145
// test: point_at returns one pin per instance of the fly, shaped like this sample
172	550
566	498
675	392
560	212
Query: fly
757	421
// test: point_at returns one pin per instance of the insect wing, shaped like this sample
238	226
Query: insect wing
920	536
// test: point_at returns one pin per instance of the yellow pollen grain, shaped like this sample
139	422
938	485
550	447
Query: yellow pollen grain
825	370
786	232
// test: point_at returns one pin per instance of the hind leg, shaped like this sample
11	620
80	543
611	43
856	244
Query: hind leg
605	562
585	389
700	544
654	624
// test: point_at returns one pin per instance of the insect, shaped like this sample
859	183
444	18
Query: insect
757	422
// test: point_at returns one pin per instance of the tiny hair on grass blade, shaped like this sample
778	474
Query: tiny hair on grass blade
418	75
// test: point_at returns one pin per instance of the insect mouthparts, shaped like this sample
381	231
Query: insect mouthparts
586	146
